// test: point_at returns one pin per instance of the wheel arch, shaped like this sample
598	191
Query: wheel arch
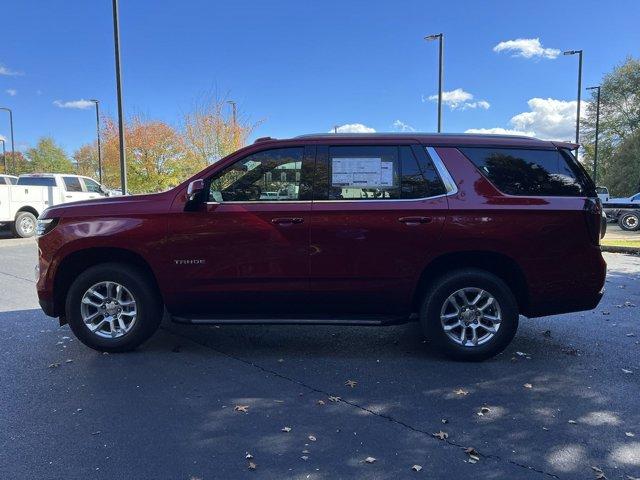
26	208
499	264
77	262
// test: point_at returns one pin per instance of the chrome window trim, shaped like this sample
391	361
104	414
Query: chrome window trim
445	176
449	185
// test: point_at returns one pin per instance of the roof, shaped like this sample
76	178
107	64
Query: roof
438	139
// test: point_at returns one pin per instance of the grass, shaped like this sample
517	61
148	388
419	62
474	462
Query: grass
620	243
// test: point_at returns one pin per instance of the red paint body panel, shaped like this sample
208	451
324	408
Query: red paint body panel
342	256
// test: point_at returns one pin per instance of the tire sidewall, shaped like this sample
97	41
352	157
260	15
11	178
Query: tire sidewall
148	310
629	228
17	226
443	288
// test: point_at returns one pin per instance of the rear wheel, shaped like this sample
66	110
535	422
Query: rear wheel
470	315
113	307
25	224
629	221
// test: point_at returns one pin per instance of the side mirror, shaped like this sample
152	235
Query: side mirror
194	188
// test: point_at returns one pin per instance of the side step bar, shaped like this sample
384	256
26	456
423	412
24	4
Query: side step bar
372	320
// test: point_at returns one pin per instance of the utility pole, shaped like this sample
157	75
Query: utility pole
579	53
440	38
4	155
116	38
98	138
13	148
595	148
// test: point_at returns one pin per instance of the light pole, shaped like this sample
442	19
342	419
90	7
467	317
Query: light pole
13	150
96	102
579	53
4	155
234	111
440	38
116	40
335	129
595	148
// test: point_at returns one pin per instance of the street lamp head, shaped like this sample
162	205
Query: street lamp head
597	87
571	52
94	100
435	36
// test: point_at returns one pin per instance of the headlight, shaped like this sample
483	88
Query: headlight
45	226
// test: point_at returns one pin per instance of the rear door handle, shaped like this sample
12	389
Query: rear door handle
414	220
287	220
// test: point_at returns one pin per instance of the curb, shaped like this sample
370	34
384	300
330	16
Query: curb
615	249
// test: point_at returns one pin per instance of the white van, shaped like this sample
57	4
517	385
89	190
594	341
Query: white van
22	202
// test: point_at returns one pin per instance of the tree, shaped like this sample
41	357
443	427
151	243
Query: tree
211	134
86	159
46	156
619	122
16	164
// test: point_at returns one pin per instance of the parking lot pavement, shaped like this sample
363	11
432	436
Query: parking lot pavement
562	399
614	232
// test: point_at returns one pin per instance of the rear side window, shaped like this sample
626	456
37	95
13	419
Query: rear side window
375	172
527	172
37	181
72	184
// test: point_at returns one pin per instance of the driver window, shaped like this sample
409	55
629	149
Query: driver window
270	175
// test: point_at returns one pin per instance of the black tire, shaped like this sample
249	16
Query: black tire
445	286
149	308
24	225
629	221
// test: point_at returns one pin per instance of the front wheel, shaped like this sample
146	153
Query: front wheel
629	221
470	315
112	307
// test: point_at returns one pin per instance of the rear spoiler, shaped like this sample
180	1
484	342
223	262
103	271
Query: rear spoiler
567	145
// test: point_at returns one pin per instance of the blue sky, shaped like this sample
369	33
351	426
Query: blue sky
302	66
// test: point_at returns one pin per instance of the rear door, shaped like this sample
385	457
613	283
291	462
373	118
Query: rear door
92	188
378	211
73	190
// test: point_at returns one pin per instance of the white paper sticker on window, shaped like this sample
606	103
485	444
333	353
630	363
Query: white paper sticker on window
361	172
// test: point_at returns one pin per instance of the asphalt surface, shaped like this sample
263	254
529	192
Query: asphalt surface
562	399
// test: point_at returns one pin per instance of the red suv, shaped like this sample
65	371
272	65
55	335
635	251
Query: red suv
462	233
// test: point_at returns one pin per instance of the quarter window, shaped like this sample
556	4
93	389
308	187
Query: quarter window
526	172
270	175
72	184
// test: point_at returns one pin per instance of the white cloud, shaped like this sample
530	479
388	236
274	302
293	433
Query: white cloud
459	99
402	127
547	119
80	104
353	128
526	48
498	131
11	91
8	72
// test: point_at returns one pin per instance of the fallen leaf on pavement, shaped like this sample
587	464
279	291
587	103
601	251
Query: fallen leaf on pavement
484	410
624	370
461	391
630	434
350	383
370	459
312	438
599	473
474	456
441	435
321	402
286	429
54	365
416	468
527	385
572	422
241	408
334	399
252	466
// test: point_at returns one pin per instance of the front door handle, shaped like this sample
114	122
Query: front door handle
414	220
287	220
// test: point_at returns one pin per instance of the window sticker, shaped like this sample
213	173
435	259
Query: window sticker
361	172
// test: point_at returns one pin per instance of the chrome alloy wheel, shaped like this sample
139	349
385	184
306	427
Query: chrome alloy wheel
108	310
470	316
27	225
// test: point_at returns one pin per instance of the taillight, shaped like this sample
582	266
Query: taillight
593	217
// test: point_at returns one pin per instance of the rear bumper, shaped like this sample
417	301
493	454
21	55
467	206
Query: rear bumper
573	285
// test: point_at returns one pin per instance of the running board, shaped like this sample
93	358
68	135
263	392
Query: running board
370	320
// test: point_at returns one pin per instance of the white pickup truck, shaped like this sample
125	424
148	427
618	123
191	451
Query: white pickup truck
23	200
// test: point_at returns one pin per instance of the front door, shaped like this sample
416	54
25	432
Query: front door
246	249
378	212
